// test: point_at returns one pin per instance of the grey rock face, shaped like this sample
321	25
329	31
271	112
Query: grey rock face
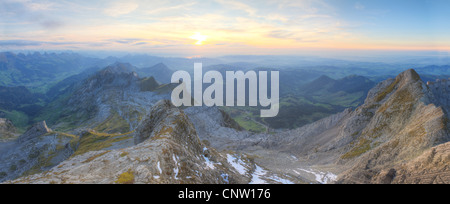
441	92
155	118
36	130
216	127
39	149
397	123
169	151
399	135
6	125
432	167
160	72
115	91
7	130
400	120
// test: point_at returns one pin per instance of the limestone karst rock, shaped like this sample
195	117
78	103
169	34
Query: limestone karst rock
168	150
34	131
38	149
399	135
7	130
401	119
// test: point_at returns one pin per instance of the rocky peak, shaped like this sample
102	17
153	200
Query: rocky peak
6	125
115	76
167	121
407	86
397	123
409	75
34	131
156	116
160	71
148	84
403	122
160	66
167	150
118	68
7	129
216	126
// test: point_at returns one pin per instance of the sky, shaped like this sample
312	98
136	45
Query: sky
223	27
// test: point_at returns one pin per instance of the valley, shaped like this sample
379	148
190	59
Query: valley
112	122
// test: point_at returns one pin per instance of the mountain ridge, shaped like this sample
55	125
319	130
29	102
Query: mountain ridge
167	150
398	123
136	136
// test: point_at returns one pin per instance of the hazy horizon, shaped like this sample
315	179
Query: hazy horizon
218	28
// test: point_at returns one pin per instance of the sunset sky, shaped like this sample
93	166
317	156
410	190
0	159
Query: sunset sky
219	27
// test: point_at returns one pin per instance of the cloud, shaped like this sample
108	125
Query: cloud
277	17
17	12
284	34
42	6
281	34
359	6
20	43
29	5
51	24
305	6
238	6
127	40
166	9
141	43
120	8
155	24
36	43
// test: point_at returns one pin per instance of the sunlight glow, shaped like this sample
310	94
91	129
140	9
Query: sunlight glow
199	38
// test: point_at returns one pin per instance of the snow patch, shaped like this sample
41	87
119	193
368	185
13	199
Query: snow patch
225	177
260	173
237	163
294	158
159	168
209	163
257	175
281	180
321	177
175	170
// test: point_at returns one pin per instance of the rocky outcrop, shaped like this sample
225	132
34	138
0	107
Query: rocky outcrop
6	125
432	167
401	119
160	72
399	135
156	123
404	125
112	100
34	131
306	140
216	126
148	84
39	149
168	150
7	130
441	90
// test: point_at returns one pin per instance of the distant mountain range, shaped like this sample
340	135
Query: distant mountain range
386	140
305	101
38	71
399	135
41	70
116	118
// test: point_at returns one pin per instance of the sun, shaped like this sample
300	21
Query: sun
199	38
